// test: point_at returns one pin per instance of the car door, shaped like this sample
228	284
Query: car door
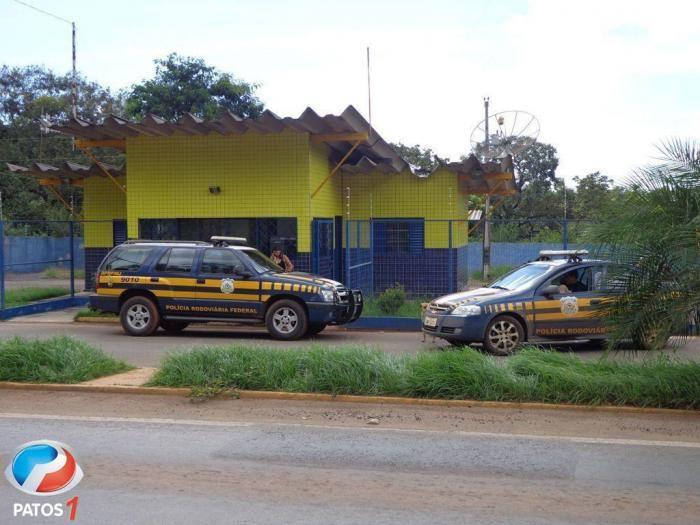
570	314
226	286
173	281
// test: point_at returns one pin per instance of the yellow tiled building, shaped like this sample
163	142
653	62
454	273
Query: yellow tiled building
327	188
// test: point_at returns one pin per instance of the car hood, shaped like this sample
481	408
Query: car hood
307	278
472	296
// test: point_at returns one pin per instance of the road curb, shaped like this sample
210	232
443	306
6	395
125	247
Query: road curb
370	400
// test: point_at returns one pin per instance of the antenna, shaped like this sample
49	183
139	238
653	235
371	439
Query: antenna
74	83
369	96
502	134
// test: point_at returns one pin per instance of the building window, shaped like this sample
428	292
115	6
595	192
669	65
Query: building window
260	232
399	237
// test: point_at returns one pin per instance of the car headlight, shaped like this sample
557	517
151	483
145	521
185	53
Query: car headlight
465	310
328	295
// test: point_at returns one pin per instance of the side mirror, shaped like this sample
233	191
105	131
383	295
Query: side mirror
550	290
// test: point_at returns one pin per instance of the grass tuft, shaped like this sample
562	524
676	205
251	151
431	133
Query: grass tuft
55	360
532	375
22	296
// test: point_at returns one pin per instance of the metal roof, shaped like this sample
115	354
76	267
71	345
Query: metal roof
376	149
66	171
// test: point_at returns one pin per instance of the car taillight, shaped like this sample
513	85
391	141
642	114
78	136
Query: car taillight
97	280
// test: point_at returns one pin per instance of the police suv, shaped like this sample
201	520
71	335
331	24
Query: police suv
170	284
550	299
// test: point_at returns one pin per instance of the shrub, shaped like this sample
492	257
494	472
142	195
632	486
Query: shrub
392	299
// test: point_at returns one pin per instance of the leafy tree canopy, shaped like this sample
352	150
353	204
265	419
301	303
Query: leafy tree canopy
188	85
28	94
423	158
538	163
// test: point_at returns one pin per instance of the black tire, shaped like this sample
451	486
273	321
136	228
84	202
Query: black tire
315	329
286	320
139	316
173	327
455	343
503	336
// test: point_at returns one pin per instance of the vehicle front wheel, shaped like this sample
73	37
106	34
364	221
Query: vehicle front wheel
503	335
139	316
173	327
286	320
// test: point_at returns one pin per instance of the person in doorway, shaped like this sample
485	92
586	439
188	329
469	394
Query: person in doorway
280	258
570	284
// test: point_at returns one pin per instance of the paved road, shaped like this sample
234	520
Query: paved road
155	469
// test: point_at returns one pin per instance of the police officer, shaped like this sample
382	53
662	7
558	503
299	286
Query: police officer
280	258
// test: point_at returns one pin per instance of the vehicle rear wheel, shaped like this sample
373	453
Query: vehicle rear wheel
503	335
173	327
315	329
286	320
139	316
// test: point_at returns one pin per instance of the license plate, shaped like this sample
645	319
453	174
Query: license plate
430	321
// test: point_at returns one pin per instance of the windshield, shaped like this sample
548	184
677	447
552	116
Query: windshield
262	263
521	277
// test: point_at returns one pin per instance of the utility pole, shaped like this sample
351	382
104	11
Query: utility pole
486	255
74	87
74	83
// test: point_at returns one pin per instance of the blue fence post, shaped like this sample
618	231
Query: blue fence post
2	265
565	234
451	278
371	257
72	258
347	255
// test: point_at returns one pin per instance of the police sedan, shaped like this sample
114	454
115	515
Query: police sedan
550	299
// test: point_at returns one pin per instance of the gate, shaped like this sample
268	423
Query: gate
359	255
323	252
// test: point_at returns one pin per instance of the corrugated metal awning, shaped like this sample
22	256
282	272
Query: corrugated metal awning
67	172
375	148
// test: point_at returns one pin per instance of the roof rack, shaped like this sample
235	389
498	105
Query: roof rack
569	255
218	240
155	241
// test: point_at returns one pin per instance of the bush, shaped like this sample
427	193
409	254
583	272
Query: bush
392	299
531	375
54	360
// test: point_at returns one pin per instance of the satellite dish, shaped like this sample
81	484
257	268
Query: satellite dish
510	133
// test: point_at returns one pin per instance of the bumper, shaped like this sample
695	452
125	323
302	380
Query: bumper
104	303
467	329
337	313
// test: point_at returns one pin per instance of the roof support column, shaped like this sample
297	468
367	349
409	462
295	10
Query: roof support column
89	154
337	167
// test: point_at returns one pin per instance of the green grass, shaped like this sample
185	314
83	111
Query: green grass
55	360
22	296
496	273
56	272
89	312
411	308
532	375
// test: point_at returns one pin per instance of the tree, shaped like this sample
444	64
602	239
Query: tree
593	193
651	236
28	95
535	176
538	163
188	85
422	158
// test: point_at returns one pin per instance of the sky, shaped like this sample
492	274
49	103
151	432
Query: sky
607	80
